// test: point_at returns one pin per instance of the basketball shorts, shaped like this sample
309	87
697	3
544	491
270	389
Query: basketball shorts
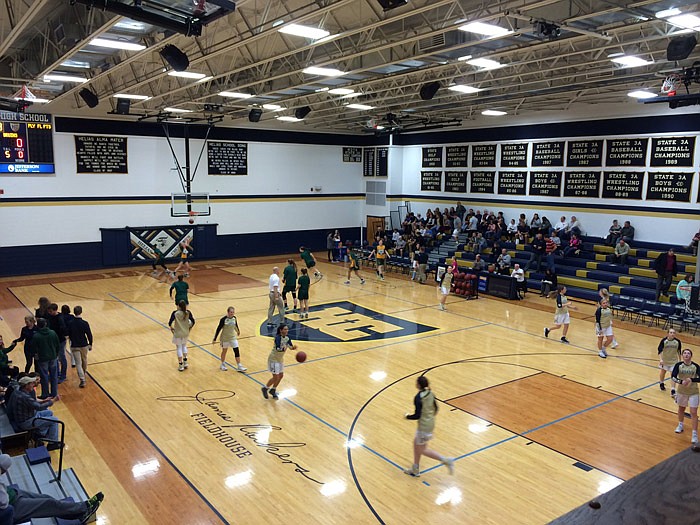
179	341
604	332
233	343
422	438
683	400
275	367
561	318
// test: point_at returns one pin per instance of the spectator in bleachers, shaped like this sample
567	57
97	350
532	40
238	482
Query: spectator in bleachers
550	248
574	227
683	289
473	224
479	264
622	250
511	230
422	259
5	368
27	505
549	283
26	407
561	226
666	268
480	243
523	232
45	345
546	226
503	262
400	246
627	232
28	331
456	222
460	209
535	225
694	243
429	218
614	233
538	251
520	283
574	247
557	242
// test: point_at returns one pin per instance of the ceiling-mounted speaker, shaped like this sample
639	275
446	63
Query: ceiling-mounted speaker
255	114
391	4
123	106
89	97
176	58
301	113
427	92
680	47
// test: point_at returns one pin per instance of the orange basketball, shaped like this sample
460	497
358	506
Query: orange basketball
191	221
301	357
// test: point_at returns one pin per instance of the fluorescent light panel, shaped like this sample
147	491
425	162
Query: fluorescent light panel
485	63
482	28
187	74
641	94
235	94
630	61
464	89
324	71
177	110
493	113
668	12
76	63
272	107
687	21
130	96
313	33
341	91
116	44
36	100
289	119
58	77
359	106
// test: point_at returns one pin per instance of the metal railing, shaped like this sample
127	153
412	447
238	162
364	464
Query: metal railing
60	443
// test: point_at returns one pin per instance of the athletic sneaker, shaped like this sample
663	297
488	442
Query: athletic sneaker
413	471
347	282
450	464
273	393
679	428
673	393
615	344
181	367
662	386
223	367
92	505
694	439
546	332
381	277
564	340
241	368
603	354
264	392
185	363
362	281
82	384
187	274
442	307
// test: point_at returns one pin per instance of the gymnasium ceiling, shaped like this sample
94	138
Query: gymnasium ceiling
386	57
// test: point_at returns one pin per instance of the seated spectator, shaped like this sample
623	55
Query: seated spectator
535	225
479	264
503	262
694	243
574	227
622	250
523	232
614	233
26	408
549	282
511	230
520	283
546	226
557	242
538	251
627	232
400	246
5	368
28	505
480	244
683	289
561	227
493	232
574	247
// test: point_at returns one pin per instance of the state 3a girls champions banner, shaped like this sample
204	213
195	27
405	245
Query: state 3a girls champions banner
144	241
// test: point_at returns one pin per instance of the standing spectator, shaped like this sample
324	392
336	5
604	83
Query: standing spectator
180	323
43	310
538	251
28	331
622	250
80	343
337	244
683	289
503	262
627	232
549	282
67	319
473	223
460	209
45	347
304	284
57	323
686	374
550	248
422	259
275	295
180	286
520	283
228	327
425	411
669	354
329	246
614	233
666	268
694	243
574	247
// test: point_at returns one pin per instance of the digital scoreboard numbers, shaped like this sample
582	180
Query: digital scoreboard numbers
26	143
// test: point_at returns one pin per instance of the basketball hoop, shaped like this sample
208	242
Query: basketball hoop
671	84
193	215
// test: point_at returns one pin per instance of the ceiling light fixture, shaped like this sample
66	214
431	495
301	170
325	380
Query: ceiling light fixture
116	44
668	12
314	33
484	63
289	119
685	21
272	107
630	61
464	89
341	91
493	113
33	100
482	28
464	58
235	94
205	79
130	96
58	77
187	74
323	71
641	94
359	106
177	110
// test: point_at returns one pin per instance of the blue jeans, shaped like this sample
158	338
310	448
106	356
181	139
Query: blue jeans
62	360
47	429
48	373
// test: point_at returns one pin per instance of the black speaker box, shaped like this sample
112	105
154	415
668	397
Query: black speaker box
255	114
427	92
301	113
391	4
680	47
176	58
694	293
123	106
89	97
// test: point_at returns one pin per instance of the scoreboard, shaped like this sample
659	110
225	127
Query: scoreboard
26	143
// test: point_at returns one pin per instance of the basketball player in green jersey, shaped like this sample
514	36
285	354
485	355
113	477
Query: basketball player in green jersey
354	267
309	260
686	374
561	314
180	287
304	283
669	354
603	327
289	278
